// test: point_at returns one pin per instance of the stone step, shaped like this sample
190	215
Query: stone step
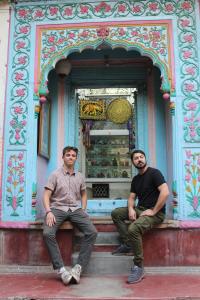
104	263
103	238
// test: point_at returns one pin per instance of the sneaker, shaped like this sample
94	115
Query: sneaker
136	275
123	249
76	273
65	275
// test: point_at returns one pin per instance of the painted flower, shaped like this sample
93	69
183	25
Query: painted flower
60	40
186	5
187	162
18	110
51	39
19	76
188	153
102	6
187	177
189	87
53	11
195	202
22	60
23	122
52	49
21	165
85	34
20	44
13	122
39	13
153	6
84	9
14	202
121	8
155	35
187	54
68	11
192	133
17	136
192	105
24	29
103	32
21	179
9	179
185	22
169	7
122	32
190	70
188	38
71	35
20	156
135	33
136	9
22	13
20	92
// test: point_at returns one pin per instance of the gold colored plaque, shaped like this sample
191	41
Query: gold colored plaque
119	111
92	110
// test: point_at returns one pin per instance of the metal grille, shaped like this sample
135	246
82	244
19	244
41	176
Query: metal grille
100	190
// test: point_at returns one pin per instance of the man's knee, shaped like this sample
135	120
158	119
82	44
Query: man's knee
115	213
48	234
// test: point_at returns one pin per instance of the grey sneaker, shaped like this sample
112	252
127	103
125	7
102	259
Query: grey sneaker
65	275
123	249
136	275
76	273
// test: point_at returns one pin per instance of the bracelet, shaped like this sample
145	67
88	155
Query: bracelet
48	211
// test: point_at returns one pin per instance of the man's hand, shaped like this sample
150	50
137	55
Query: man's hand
50	219
132	214
148	212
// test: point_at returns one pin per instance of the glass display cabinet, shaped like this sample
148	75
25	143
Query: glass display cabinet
108	157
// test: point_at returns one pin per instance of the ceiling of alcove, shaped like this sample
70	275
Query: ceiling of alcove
108	67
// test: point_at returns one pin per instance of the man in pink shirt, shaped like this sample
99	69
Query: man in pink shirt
65	198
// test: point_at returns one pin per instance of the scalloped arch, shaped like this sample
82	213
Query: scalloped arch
148	40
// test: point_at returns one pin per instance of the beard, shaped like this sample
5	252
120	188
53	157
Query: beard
140	165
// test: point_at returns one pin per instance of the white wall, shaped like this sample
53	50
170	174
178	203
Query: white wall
4	27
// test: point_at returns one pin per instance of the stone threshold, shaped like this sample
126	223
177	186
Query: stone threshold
21	269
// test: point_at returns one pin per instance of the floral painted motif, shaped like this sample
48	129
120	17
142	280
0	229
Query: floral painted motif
183	10
192	182
103	11
15	183
146	38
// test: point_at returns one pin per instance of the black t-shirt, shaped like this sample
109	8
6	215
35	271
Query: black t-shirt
145	186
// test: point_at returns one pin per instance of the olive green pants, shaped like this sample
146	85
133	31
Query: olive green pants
131	233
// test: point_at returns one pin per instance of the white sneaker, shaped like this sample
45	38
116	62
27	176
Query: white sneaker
76	272
65	275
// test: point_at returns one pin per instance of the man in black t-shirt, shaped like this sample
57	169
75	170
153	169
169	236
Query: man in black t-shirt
151	191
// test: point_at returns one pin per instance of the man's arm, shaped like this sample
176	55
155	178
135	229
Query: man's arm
50	218
84	199
164	193
131	210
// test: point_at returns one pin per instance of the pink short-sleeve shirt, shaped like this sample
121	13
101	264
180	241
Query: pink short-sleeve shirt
66	189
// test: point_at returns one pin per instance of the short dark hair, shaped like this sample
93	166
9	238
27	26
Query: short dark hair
69	148
137	151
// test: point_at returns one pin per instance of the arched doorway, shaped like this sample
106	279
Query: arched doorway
109	70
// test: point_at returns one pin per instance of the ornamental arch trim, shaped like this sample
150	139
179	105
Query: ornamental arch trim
150	39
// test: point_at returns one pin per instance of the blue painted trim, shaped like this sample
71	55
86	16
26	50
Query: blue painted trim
142	123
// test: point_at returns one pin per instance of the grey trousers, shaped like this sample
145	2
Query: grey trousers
81	220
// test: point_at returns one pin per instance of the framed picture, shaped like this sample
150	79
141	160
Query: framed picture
92	110
44	130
